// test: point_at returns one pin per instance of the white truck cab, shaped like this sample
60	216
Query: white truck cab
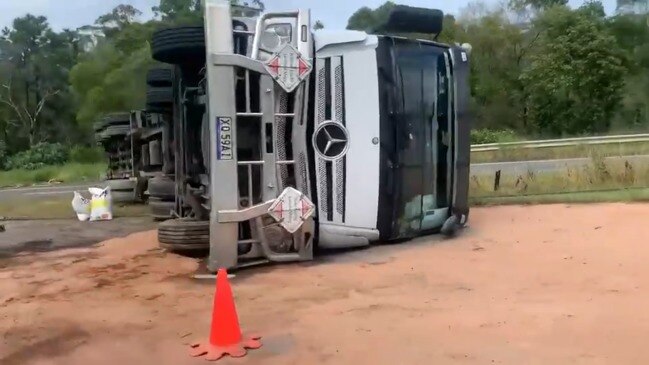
334	139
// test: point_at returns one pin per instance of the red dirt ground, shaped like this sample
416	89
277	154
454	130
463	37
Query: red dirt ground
523	285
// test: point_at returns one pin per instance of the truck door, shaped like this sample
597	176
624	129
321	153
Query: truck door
411	142
416	138
438	154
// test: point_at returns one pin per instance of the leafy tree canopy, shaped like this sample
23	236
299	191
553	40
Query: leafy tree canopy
575	78
121	16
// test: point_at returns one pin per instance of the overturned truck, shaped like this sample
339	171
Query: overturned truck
290	140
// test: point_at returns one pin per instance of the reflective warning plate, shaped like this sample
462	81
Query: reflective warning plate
288	68
291	209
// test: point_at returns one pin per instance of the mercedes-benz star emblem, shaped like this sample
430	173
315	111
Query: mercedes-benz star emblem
331	140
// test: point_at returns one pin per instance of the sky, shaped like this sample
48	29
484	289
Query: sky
333	13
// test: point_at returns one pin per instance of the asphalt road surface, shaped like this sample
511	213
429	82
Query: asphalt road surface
38	192
51	235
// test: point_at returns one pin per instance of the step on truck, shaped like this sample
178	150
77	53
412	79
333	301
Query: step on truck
329	139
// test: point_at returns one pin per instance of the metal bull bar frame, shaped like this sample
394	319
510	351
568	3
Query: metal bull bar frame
226	169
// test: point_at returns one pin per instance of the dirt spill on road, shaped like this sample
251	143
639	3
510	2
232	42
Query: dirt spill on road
535	285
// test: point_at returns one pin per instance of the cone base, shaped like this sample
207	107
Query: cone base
213	353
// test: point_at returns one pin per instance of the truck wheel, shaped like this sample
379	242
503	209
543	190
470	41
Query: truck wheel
121	185
99	125
451	226
181	247
140	188
161	210
117	118
122	191
184	234
159	97
124	197
113	119
159	77
162	187
114	131
100	137
179	45
168	109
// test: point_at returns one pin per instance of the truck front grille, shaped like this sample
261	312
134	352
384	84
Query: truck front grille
282	141
330	107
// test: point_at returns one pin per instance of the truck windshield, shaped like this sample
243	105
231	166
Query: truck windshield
420	155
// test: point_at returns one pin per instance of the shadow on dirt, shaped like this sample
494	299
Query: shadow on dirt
378	254
57	344
25	237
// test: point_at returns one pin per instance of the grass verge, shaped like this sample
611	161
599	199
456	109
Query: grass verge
553	153
626	195
599	175
59	208
600	181
68	173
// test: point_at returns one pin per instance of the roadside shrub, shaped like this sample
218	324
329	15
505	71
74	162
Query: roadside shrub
42	154
42	175
86	155
482	136
3	155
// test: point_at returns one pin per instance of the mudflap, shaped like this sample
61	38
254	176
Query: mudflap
463	123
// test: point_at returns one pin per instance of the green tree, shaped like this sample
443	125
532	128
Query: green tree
452	31
575	77
134	36
367	19
536	4
179	11
34	93
594	8
632	34
110	80
189	12
121	16
498	56
318	25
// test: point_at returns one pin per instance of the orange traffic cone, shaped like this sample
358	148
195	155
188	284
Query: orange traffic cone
225	334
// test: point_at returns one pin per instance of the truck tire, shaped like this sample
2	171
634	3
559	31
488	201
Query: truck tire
161	210
123	197
159	97
99	125
123	190
159	77
121	185
179	45
184	234
115	131
167	110
181	247
163	188
117	118
113	119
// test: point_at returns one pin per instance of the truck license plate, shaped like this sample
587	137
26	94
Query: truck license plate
224	138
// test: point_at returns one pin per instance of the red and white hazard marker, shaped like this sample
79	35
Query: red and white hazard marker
291	209
289	68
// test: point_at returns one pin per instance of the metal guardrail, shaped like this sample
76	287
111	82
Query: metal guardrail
628	138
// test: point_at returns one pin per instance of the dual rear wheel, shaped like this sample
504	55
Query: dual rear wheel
183	49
